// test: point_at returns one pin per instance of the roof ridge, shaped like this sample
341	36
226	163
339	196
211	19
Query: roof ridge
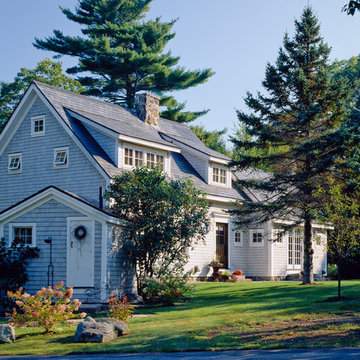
87	97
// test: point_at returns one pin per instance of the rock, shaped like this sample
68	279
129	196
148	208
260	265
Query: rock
90	331
7	334
120	326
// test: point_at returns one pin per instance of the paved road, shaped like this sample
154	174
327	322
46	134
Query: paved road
295	354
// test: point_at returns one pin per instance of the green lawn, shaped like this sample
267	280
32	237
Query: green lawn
225	316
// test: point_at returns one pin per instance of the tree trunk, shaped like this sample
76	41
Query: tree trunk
308	254
339	279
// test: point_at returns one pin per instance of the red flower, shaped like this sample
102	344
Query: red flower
238	272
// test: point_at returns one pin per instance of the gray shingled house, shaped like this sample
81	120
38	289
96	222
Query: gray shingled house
59	148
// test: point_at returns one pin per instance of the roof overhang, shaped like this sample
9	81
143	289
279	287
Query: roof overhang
314	224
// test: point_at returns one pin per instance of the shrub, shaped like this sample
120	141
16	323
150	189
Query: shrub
167	289
44	309
13	261
332	270
120	308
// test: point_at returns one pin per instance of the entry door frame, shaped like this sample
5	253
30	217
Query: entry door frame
224	221
68	240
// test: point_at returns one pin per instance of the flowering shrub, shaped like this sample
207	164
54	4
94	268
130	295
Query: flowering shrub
237	272
166	290
44	309
120	308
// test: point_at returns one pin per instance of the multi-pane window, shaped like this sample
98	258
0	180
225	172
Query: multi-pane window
61	156
128	157
38	125
24	234
257	237
294	248
14	162
150	160
219	175
139	158
238	237
160	161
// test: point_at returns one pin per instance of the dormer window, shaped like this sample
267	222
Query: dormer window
128	159
61	157
139	158
219	176
14	164
38	125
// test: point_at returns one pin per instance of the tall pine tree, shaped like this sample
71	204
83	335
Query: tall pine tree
125	54
300	117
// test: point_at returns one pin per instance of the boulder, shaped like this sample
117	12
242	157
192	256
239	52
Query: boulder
90	331
7	334
120	326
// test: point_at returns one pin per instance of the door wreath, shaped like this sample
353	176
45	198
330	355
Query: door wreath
80	232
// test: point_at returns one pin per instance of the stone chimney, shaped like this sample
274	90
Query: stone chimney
147	108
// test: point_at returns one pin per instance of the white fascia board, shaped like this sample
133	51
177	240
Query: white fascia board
65	199
313	224
221	199
147	143
218	160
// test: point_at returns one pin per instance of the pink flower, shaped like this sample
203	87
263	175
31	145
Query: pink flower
35	314
69	292
83	314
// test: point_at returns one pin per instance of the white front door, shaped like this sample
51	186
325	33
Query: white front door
80	259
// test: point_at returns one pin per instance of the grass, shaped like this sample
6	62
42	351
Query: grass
224	316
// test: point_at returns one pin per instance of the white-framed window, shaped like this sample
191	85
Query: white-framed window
150	160
38	125
238	238
160	161
128	156
295	240
23	231
219	175
139	158
318	238
61	157
278	236
14	164
257	237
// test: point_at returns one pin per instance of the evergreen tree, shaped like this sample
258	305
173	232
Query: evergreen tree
212	139
47	71
300	116
125	54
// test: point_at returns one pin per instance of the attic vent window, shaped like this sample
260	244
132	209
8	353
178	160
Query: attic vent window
14	163
38	125
61	156
219	175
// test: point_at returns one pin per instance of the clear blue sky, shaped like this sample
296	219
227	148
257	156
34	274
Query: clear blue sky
233	37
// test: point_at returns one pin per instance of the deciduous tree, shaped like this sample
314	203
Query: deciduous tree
162	219
46	71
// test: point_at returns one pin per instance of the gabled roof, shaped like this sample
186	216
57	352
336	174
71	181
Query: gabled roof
66	197
110	116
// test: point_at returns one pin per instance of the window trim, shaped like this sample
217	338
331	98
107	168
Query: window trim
257	244
10	157
321	236
220	169
283	237
239	243
61	149
22	225
33	120
145	153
